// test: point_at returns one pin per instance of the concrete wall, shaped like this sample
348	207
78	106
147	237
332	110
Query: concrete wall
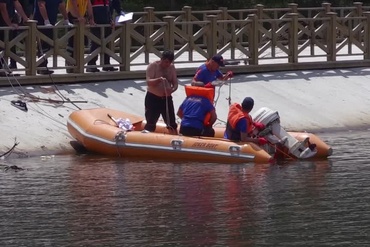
316	101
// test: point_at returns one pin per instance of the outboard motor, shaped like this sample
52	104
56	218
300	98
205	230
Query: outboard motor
275	134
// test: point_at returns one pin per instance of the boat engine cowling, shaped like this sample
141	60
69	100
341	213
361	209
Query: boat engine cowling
276	134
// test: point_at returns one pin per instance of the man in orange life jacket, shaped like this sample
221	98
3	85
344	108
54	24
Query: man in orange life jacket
209	72
197	116
240	124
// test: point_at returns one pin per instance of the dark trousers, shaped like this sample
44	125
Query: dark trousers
70	44
101	16
12	35
156	106
189	131
44	47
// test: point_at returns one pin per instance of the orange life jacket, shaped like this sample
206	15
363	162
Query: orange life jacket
208	93
235	114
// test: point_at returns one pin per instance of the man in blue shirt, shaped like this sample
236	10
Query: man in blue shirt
197	117
210	72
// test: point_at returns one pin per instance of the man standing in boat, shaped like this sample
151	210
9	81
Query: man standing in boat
209	72
240	125
161	78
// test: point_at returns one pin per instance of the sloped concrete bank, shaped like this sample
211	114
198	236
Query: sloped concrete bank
315	101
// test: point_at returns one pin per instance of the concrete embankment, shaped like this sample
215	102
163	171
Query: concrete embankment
315	101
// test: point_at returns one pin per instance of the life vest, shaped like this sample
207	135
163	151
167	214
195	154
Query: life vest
208	93
235	114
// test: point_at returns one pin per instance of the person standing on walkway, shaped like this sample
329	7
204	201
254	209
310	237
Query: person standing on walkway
161	78
115	5
240	124
27	6
46	13
102	15
77	10
8	18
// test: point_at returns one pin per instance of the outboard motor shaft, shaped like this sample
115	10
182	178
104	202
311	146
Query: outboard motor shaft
275	134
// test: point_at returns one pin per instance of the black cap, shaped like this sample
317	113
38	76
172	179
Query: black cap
248	104
219	60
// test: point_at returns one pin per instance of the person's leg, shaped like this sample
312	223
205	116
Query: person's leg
96	32
168	114
152	112
189	131
70	44
108	31
208	132
44	47
2	73
13	49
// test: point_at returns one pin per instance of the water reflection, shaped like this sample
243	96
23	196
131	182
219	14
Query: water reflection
92	200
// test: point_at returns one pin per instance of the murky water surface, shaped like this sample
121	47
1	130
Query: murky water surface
95	201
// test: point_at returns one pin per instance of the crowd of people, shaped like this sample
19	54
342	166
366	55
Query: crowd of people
16	12
197	111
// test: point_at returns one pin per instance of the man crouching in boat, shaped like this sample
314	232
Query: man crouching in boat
240	125
197	115
161	78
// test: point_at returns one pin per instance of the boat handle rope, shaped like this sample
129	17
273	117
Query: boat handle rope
120	136
176	144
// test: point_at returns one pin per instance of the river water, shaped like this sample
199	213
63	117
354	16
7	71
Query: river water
88	200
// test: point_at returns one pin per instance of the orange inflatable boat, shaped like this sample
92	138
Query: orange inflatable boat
98	131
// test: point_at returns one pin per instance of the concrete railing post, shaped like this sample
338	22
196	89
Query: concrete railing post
169	35
332	34
212	35
359	8
30	49
125	44
223	15
253	40
188	29
367	36
293	38
260	8
148	30
293	7
79	47
326	7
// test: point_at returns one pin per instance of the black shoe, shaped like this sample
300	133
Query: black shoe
19	104
93	70
6	74
110	69
45	72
